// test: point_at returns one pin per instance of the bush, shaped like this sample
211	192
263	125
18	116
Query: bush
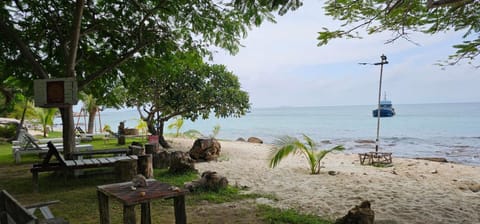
8	131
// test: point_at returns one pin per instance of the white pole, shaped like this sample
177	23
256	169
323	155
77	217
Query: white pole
384	61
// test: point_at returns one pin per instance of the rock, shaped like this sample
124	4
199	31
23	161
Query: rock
361	214
240	139
434	171
474	187
434	159
364	141
181	162
255	140
205	149
210	180
332	173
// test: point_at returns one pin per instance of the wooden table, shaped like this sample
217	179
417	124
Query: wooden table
129	198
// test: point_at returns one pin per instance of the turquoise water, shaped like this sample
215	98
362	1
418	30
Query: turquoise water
441	130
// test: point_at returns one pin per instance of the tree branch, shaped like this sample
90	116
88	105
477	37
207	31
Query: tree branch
77	20
11	33
110	67
440	3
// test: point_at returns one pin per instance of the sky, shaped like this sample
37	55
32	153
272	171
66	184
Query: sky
281	65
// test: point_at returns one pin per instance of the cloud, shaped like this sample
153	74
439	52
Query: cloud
281	65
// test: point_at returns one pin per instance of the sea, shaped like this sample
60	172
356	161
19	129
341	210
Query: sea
448	130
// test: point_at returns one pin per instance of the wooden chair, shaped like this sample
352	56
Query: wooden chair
64	165
12	212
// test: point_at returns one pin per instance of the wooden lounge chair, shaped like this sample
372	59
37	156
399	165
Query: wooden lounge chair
27	144
13	212
70	165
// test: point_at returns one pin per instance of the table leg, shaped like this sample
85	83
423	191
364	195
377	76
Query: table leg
129	214
180	214
146	217
103	207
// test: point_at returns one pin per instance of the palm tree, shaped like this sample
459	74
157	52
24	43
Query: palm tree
177	124
45	118
287	145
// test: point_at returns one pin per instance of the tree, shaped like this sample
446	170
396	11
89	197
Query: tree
181	84
288	145
177	125
90	40
403	17
45	118
91	107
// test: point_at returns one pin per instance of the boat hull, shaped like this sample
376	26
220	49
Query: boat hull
383	113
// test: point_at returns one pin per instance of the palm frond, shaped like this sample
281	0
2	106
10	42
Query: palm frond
311	144
280	153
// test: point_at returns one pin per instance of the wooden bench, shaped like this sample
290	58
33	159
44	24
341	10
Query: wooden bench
13	212
114	152
71	165
375	158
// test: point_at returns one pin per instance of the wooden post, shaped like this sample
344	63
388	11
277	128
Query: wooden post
121	140
103	207
35	181
179	207
161	159
145	215
151	148
126	169
144	164
129	214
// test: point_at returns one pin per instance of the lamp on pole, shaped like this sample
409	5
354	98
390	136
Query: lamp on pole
381	63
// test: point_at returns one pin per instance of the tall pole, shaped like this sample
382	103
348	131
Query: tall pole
384	61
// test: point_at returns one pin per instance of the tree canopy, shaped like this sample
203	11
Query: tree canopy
91	40
181	84
401	18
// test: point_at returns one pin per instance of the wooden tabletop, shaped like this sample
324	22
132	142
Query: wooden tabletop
155	190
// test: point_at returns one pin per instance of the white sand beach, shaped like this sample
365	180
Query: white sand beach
411	191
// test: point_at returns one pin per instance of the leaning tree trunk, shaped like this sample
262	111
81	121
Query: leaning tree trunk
159	132
161	139
91	119
68	132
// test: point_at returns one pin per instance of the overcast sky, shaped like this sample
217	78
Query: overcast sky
281	65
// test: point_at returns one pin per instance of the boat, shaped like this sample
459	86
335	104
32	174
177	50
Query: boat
386	108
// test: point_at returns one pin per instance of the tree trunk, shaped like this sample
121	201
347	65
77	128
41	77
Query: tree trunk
68	132
91	119
161	139
45	131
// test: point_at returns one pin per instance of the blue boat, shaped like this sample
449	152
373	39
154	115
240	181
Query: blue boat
386	109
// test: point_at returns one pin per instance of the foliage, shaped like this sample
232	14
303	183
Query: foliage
192	133
8	131
279	216
181	84
288	145
404	17
142	126
216	130
93	41
45	118
177	124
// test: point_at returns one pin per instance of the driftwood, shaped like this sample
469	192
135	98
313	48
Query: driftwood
361	214
210	180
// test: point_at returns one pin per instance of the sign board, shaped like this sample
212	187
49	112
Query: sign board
58	92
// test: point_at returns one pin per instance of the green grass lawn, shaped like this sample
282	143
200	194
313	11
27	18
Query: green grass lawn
79	199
